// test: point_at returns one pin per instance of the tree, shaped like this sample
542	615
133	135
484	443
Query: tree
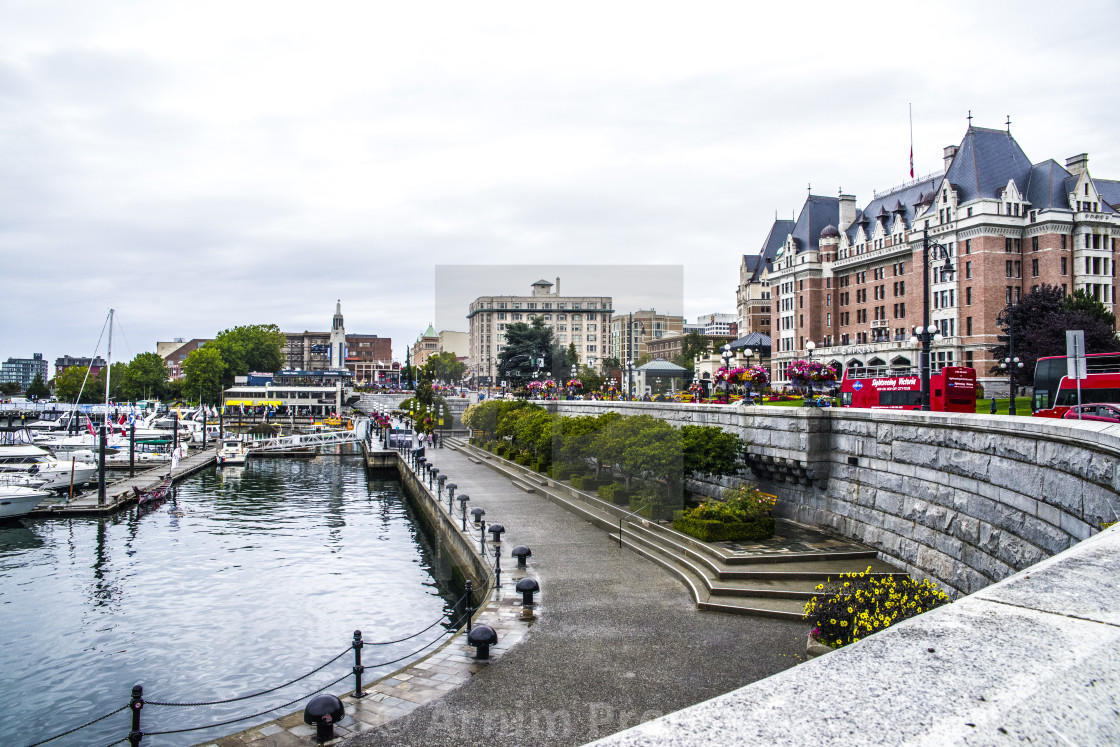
1040	320
37	389
708	450
692	345
1079	300
117	375
147	377
203	373
68	384
10	387
253	347
528	348
445	367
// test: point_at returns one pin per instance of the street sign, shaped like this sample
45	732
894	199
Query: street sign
1075	354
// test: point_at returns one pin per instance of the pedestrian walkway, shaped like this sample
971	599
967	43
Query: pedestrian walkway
619	641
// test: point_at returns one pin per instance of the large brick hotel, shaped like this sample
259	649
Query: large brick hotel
850	279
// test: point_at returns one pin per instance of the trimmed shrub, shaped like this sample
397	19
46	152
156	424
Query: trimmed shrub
709	530
560	471
522	459
615	493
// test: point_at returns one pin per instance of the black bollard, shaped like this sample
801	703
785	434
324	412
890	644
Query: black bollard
358	668
497	566
521	552
101	468
468	595
463	503
135	705
528	587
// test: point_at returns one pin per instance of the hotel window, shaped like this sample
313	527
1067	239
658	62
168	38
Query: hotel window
968	296
1007	296
1034	267
1007	246
1063	242
1065	268
1007	268
970	212
1034	243
968	328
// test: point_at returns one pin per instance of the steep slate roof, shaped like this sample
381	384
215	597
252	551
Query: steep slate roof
753	340
1109	190
817	213
774	239
904	200
986	161
1047	188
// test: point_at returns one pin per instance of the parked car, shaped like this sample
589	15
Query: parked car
1098	412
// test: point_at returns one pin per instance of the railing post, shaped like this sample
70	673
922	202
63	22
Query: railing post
498	566
469	594
135	705
358	668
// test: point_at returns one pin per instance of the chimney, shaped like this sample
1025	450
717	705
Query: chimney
950	154
1078	165
558	285
847	211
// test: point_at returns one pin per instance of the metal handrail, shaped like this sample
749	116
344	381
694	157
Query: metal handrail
627	517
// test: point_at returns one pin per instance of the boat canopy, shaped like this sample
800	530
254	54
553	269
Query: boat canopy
254	402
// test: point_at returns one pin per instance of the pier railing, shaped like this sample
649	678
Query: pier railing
137	703
481	638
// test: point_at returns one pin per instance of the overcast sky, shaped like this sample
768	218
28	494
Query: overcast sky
200	165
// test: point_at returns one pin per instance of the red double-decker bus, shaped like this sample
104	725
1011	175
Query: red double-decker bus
951	389
1055	393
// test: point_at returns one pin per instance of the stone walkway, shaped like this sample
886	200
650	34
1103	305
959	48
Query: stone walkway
619	641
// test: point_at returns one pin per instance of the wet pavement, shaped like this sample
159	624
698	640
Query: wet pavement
619	640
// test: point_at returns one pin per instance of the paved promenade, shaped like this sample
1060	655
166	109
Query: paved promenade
619	640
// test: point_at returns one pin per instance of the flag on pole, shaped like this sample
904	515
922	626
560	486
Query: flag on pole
89	426
911	141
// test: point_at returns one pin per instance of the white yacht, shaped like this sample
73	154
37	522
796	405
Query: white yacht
233	451
21	457
17	500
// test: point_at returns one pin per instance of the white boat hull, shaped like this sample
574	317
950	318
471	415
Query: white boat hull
18	501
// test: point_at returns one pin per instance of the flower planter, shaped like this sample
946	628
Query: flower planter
814	648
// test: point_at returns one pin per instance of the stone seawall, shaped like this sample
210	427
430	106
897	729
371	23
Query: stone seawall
966	500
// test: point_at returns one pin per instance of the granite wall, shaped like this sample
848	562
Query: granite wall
964	499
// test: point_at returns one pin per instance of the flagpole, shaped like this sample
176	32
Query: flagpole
911	106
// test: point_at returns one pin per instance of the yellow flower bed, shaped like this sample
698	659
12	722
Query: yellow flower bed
859	604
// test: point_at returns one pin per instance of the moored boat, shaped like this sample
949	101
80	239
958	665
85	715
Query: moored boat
16	500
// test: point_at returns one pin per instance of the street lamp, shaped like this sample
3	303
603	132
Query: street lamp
927	333
810	346
629	373
1010	364
747	382
727	356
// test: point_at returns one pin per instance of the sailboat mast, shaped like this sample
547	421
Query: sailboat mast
108	367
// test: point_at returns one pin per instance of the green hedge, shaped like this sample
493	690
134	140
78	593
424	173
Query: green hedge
522	459
560	471
615	493
719	531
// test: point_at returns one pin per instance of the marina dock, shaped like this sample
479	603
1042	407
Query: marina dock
119	492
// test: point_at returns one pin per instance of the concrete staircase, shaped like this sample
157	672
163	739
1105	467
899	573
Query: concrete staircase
769	583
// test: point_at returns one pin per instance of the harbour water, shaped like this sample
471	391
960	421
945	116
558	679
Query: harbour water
250	577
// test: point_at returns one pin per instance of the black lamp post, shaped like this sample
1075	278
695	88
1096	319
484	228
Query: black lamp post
927	332
629	381
1010	363
810	346
726	355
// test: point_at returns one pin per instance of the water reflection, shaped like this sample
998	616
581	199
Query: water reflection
234	584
